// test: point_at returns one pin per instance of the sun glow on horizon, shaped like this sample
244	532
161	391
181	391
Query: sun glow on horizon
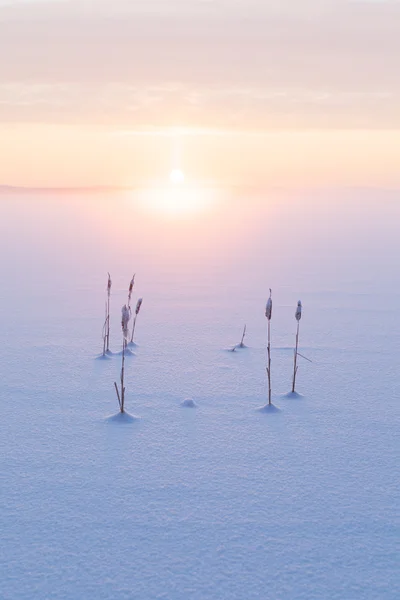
177	177
177	200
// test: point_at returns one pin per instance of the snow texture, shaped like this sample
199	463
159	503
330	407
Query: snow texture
225	502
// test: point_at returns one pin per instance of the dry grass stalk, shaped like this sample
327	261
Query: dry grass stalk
268	314
132	283
127	312
241	345
125	316
106	326
296	353
137	310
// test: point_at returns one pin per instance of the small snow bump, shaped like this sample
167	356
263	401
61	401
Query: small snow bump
189	403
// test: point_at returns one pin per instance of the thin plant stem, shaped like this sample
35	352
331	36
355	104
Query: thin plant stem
269	362
118	396
244	333
125	314
108	324
122	378
295	367
105	333
133	328
268	314
121	393
305	357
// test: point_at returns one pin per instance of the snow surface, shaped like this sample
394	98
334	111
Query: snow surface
224	501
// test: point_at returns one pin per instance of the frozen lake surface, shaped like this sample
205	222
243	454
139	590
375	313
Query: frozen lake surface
210	499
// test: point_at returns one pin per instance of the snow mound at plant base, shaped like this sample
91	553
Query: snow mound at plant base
127	353
103	357
122	418
269	408
293	396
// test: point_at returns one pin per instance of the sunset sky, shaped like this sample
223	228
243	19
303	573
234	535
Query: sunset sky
255	92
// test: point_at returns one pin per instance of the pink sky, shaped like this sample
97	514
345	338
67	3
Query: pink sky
270	91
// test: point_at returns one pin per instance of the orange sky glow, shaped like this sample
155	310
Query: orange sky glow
240	93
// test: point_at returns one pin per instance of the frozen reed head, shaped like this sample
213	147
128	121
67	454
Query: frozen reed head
132	283
109	283
268	308
125	317
298	311
138	305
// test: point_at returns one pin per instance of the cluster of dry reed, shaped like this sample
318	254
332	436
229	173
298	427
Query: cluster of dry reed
268	314
126	315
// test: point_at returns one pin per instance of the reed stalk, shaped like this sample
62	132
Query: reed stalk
268	314
109	283
106	326
241	345
125	332
137	310
131	284
296	353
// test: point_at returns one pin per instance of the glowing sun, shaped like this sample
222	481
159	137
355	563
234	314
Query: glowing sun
176	176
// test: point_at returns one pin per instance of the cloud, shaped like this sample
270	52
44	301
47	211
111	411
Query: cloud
120	106
216	63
